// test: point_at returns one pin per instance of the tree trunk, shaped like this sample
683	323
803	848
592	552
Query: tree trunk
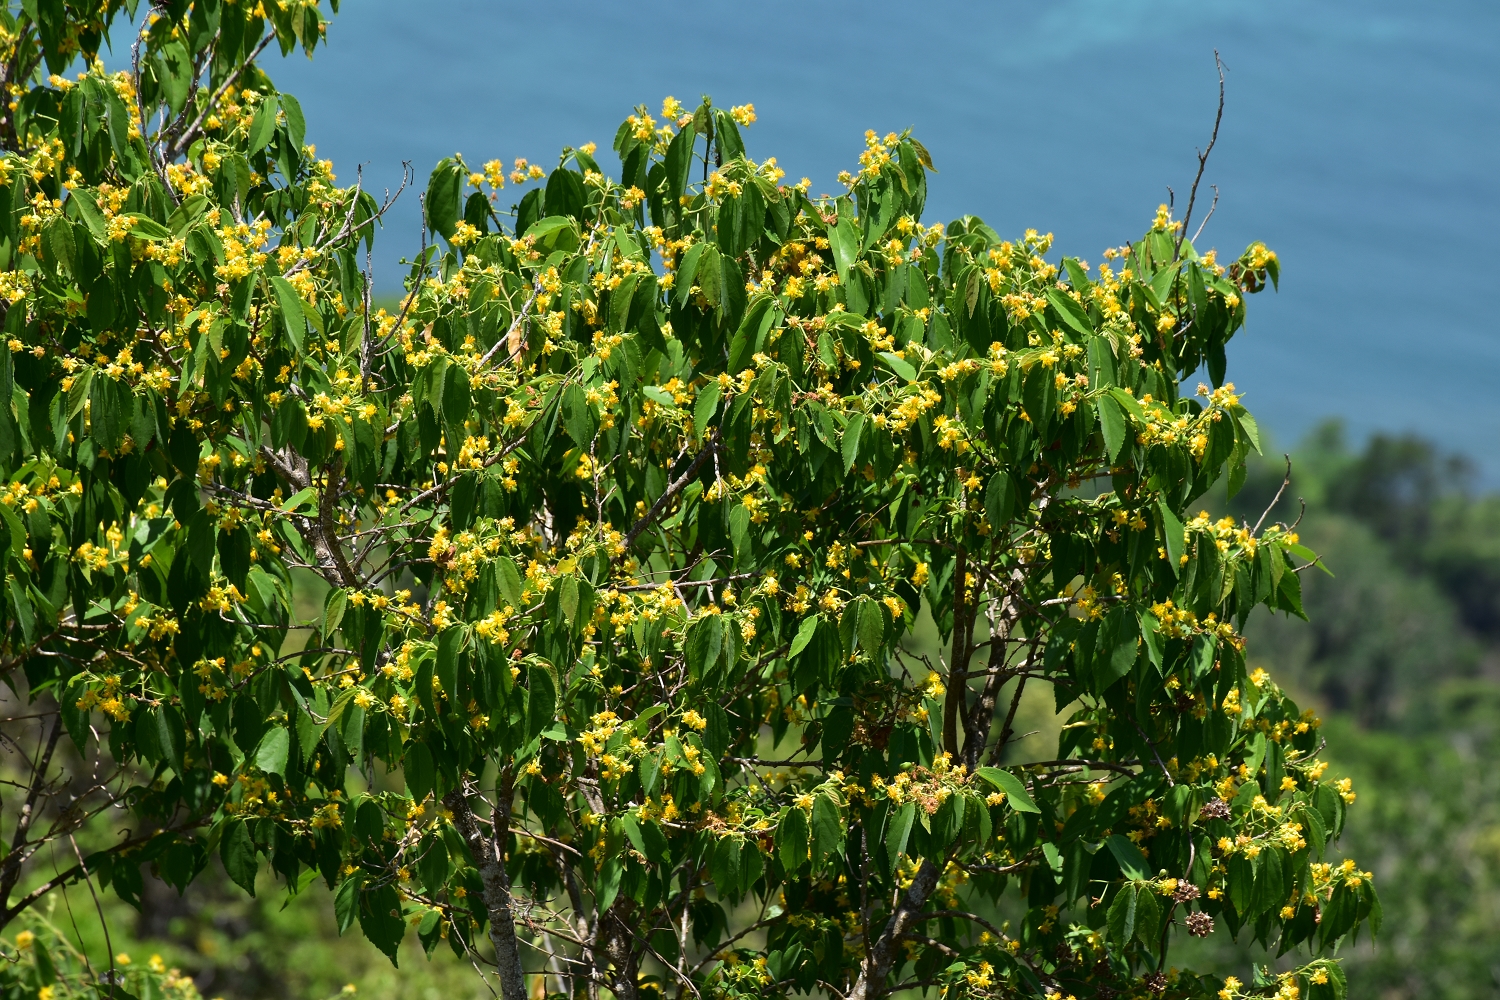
489	858
882	957
617	945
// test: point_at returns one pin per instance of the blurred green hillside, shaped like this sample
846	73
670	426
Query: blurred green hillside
1401	656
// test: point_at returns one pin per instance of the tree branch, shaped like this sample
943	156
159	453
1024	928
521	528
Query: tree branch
10	871
671	491
1203	161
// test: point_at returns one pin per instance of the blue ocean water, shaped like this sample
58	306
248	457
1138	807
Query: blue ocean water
1361	141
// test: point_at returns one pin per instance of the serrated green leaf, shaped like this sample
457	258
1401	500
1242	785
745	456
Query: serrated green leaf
271	752
849	445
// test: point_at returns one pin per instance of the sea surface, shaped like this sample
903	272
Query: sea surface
1361	141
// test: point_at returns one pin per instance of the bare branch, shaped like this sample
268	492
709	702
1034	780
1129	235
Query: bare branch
1203	160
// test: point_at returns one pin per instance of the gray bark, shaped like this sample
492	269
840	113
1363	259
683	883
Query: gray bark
489	858
881	958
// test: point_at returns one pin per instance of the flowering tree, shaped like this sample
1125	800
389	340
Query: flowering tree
624	519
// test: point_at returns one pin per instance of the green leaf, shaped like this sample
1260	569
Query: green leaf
1073	315
1128	403
1151	637
1257	754
679	160
46	969
510	581
441	203
380	919
704	408
705	641
1291	594
449	646
271	752
659	396
170	734
567	598
792	839
608	888
724	867
555	232
433	865
739	530
88	211
805	633
146	228
299	498
843	240
1015	792
1132	862
79	392
1252	429
1147	916
541	706
1270	886
296	123
850	444
899	365
751	333
333	611
1172	533
1111	425
291	311
1115	647
827	830
1205	648
871	626
21	607
1121	919
1101	362
898	830
999	499
117	120
237	851
419	771
264	125
578	416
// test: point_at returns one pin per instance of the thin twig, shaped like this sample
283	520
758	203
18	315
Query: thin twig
183	141
1202	160
1285	482
1212	205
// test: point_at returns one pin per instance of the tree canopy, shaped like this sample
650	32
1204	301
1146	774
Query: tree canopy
625	516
